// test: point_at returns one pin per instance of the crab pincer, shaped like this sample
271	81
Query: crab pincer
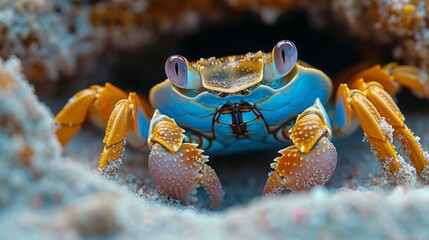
312	159
178	167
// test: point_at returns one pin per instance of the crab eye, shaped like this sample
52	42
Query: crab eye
285	56
177	70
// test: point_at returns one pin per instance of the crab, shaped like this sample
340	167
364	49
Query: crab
251	102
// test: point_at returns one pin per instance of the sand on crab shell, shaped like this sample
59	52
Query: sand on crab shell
48	196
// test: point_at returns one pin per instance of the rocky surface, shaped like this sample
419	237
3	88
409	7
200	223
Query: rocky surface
61	39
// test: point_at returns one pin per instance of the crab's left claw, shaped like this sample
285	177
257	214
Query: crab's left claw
312	159
178	168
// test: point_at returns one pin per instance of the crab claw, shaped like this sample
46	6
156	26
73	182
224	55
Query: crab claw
300	171
179	173
179	168
312	159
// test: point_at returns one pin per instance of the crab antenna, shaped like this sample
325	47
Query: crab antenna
281	61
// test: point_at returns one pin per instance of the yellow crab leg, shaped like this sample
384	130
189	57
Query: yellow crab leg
123	122
390	111
381	120
370	120
95	103
371	101
392	76
312	159
413	78
378	74
69	120
176	167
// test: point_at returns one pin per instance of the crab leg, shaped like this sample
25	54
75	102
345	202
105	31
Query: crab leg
392	76
380	74
95	103
176	167
312	159
127	120
414	79
390	111
381	120
344	121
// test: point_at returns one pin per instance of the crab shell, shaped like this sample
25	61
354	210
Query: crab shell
276	105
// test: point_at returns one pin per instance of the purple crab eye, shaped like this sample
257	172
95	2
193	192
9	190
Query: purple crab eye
177	70
285	56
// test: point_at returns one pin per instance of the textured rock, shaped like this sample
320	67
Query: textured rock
57	39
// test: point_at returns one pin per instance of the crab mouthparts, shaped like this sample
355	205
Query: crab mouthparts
232	74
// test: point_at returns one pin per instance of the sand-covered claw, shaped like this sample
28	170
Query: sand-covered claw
298	171
179	168
179	173
312	159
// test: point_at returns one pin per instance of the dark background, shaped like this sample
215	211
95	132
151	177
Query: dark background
330	49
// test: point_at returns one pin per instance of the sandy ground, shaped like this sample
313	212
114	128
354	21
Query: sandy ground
48	193
243	176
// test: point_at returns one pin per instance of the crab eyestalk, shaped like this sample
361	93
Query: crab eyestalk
281	61
182	74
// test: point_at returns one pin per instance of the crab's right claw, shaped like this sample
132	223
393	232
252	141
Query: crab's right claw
312	159
178	168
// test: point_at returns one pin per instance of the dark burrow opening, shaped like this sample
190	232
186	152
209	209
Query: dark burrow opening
327	49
